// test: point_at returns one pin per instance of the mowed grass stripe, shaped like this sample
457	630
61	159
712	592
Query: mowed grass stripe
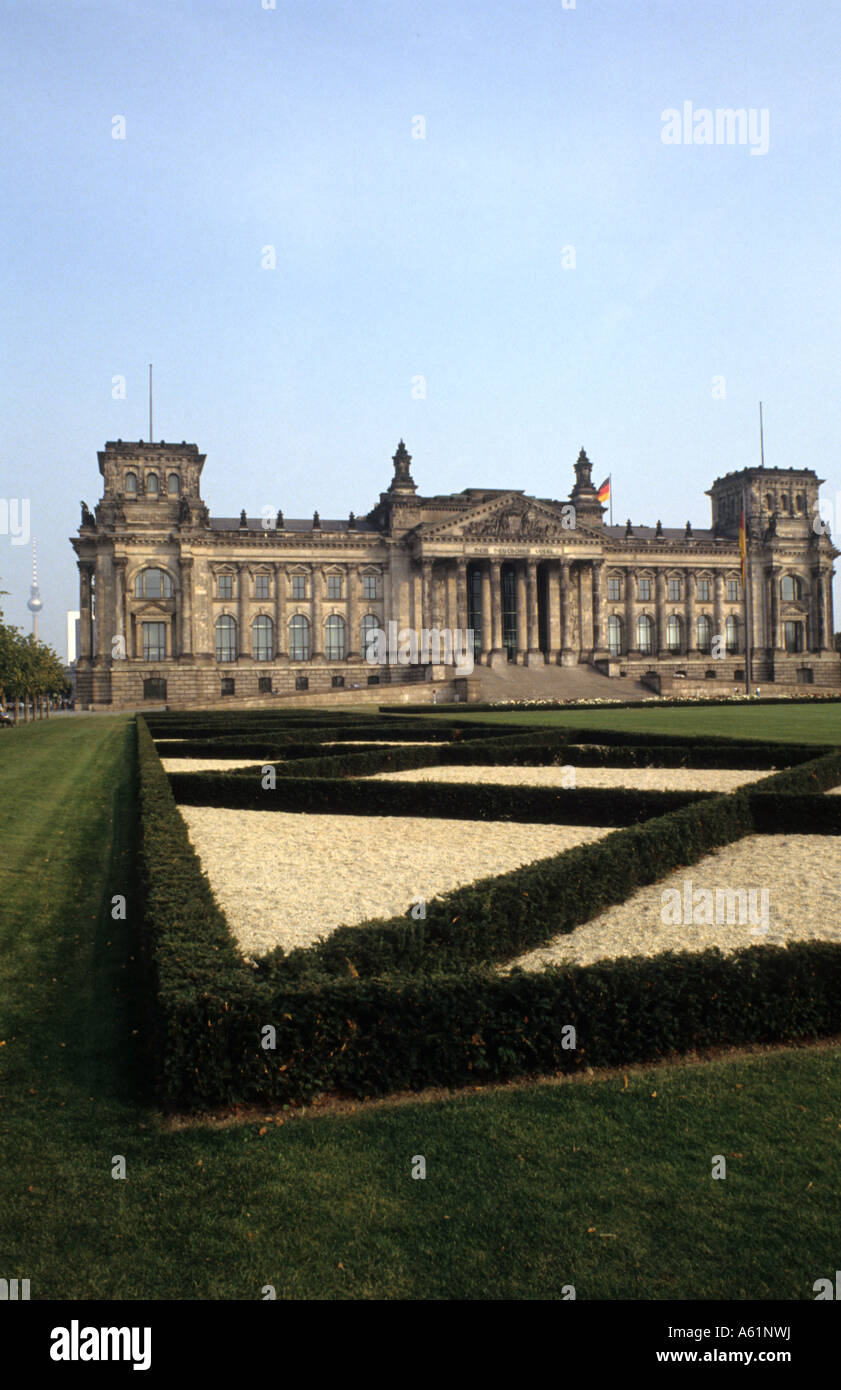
812	723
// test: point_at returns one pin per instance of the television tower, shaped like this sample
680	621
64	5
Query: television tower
35	603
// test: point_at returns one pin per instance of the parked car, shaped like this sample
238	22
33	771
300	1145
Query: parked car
6	720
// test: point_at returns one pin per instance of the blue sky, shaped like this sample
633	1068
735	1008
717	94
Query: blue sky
400	258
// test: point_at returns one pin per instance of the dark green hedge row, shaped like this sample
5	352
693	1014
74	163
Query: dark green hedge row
448	800
371	1037
315	736
796	815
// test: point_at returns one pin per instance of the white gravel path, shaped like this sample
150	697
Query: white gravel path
642	778
802	876
285	879
214	764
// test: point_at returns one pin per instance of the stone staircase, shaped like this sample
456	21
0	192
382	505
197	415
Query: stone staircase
552	683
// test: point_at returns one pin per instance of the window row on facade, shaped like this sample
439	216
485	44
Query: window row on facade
299	629
645	634
157	583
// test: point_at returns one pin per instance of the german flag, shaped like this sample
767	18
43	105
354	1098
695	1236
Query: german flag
604	490
743	545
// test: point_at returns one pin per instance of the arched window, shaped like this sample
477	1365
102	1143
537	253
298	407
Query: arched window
731	634
173	484
226	638
673	642
299	638
152	485
801	502
614	634
131	485
334	638
261	631
153	583
784	502
790	587
705	632
645	634
769	501
370	627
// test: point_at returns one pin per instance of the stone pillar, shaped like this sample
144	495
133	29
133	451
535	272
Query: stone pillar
599	644
185	637
281	631
450	585
534	656
630	610
498	655
522	631
461	593
567	655
718	611
317	648
243	647
660	608
487	610
103	607
354	641
828	633
553	594
774	635
426	595
691	635
119	563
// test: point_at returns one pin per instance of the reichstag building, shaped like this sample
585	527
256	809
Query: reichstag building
180	606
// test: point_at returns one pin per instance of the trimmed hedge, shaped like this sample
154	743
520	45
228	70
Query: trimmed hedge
455	1019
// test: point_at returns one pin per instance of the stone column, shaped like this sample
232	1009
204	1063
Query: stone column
354	643
185	639
461	593
630	610
826	587
691	635
487	609
281	631
660	608
103	607
498	654
317	648
242	611
450	585
119	564
553	593
534	656
426	595
567	656
718	611
522	631
599	643
774	635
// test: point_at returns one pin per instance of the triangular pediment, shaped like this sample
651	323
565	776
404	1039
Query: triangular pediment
510	517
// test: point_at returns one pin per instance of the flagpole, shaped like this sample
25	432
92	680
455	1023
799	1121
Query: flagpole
610	495
746	588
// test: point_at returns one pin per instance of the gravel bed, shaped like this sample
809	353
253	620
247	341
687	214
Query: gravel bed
802	875
285	880
214	764
642	778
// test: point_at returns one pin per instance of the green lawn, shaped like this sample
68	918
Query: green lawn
595	1183
814	723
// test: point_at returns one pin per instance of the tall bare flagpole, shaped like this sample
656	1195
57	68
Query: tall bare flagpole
151	436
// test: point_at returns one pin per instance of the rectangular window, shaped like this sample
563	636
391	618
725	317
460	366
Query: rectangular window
373	680
704	590
154	688
732	590
334	586
154	641
302	683
674	590
228	685
225	587
792	636
264	685
645	589
299	586
261	586
614	589
369	586
337	682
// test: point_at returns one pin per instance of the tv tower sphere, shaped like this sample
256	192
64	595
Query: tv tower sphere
34	603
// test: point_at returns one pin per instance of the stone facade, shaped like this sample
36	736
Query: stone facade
182	607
